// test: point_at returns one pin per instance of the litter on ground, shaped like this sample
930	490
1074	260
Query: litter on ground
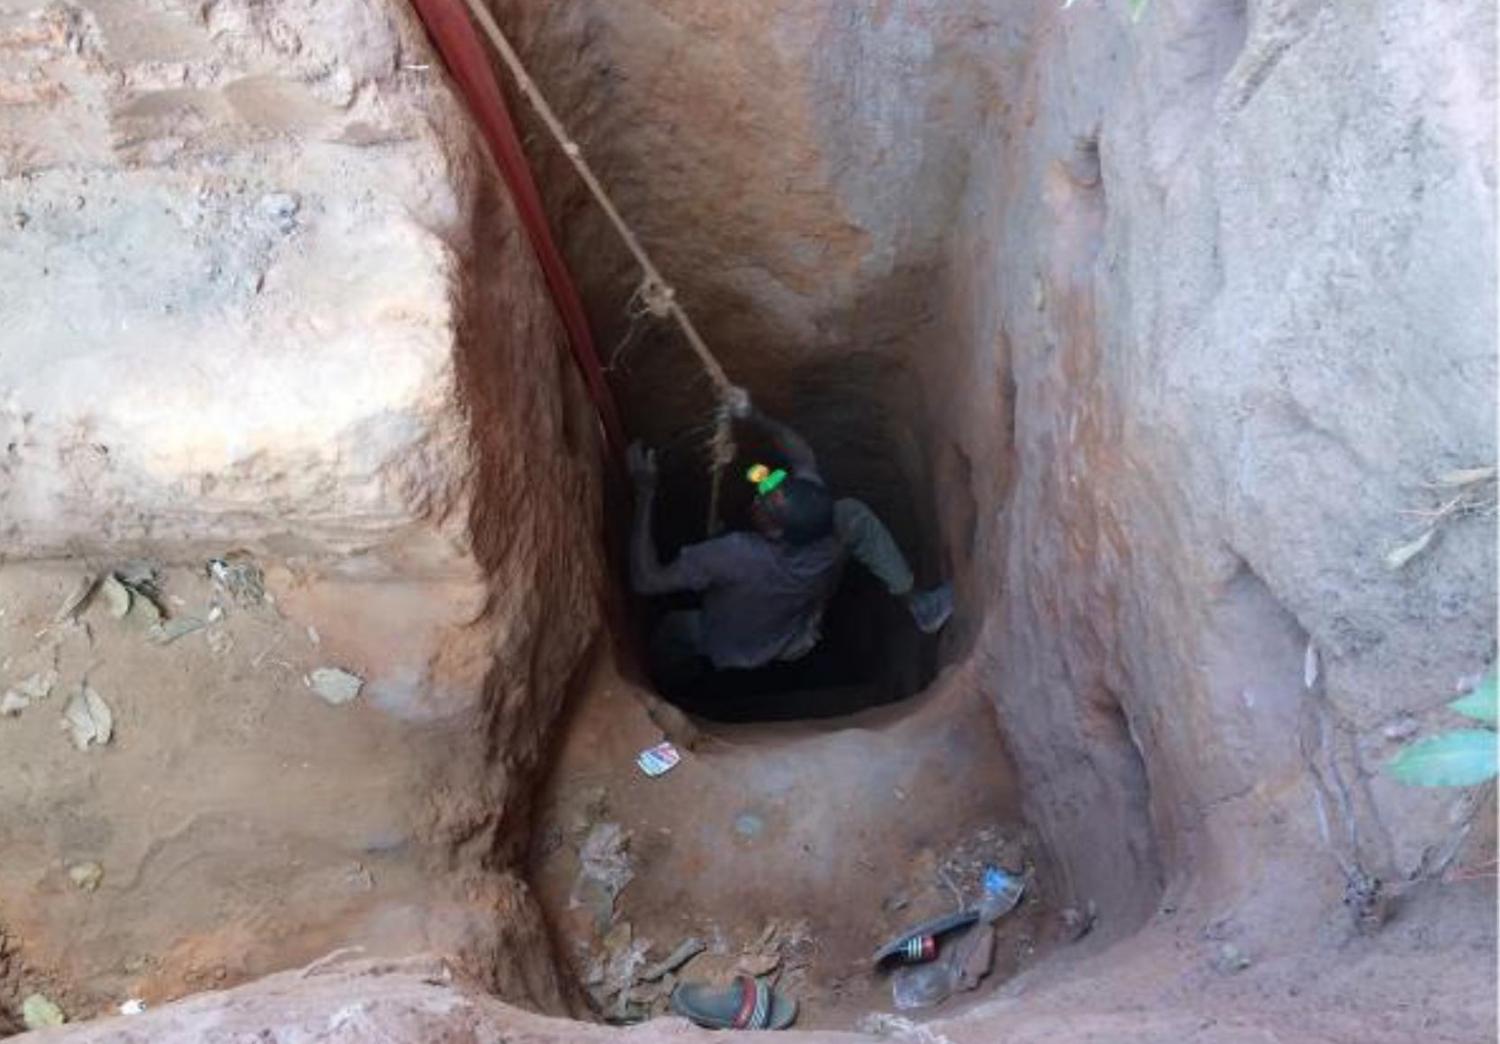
237	576
624	956
922	985
953	952
747	1003
603	871
686	951
658	760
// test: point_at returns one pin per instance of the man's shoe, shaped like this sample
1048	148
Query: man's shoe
931	608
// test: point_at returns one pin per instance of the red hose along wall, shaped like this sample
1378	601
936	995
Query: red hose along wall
451	30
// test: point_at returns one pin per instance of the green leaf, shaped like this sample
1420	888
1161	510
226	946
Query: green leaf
1481	704
1460	758
1137	8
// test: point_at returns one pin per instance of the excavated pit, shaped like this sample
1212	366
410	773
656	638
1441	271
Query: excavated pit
862	790
1150	335
823	806
949	324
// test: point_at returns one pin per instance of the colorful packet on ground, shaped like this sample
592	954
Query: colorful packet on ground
657	760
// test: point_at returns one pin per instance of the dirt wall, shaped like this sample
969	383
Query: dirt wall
1233	385
261	292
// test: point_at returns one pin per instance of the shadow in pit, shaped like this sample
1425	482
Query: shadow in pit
871	653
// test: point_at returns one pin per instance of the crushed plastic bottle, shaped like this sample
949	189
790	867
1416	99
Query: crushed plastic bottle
1002	891
921	986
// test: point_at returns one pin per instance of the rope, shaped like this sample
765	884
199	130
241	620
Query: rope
659	296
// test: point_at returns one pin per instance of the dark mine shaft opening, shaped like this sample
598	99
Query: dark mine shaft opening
871	652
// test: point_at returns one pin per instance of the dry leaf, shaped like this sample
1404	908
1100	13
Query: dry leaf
1466	477
116	597
88	719
171	630
1310	666
1406	552
144	606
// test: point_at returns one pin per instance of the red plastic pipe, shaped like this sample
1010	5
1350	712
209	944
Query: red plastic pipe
448	24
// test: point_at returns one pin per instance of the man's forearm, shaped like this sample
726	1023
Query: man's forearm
645	566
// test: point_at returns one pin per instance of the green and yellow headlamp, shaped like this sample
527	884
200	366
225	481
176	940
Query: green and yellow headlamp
764	479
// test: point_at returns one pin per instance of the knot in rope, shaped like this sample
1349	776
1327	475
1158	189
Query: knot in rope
657	297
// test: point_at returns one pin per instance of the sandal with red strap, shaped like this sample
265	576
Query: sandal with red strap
919	944
747	1003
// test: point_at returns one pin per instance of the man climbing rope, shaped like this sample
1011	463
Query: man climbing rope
764	593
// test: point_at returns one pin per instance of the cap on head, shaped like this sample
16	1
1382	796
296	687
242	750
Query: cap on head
765	479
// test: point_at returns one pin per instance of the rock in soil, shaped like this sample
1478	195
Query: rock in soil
335	685
1231	959
86	875
1077	923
